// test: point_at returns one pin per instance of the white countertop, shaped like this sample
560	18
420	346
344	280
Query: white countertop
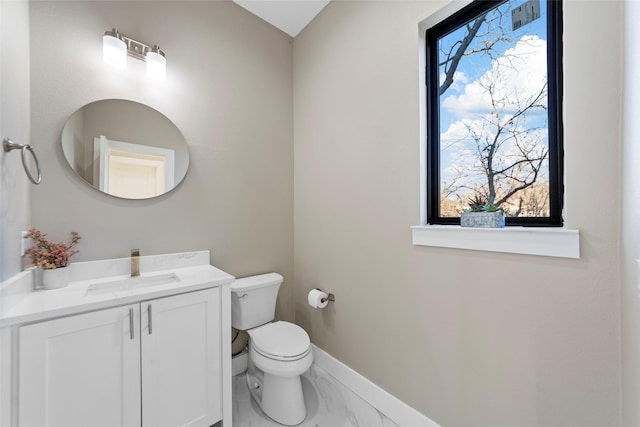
192	269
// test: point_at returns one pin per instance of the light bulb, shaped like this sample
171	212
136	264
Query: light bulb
114	49
156	63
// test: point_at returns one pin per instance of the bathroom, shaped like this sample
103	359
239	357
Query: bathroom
304	160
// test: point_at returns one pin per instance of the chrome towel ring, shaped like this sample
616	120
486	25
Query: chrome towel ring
10	145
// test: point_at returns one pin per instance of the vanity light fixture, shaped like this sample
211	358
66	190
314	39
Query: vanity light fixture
116	47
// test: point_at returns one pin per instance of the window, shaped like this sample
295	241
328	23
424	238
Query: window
494	97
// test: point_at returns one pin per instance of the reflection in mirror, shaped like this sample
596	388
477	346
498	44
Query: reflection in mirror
125	149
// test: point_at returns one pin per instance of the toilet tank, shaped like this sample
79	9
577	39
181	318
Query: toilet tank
253	300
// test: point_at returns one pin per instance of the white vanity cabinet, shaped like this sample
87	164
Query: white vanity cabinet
181	360
80	370
154	363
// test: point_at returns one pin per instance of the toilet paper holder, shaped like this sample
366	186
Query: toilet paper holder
331	297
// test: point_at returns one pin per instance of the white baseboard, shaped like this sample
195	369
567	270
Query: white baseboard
395	409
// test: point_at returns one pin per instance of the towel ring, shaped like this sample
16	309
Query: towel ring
10	145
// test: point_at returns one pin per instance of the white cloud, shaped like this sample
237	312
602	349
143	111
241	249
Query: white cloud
460	79
517	75
460	149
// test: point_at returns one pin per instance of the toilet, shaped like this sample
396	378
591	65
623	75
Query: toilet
279	352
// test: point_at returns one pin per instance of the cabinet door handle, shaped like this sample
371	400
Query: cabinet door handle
150	319
131	322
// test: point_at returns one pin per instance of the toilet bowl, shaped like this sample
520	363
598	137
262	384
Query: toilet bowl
279	352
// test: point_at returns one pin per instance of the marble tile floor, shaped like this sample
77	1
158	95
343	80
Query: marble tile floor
329	404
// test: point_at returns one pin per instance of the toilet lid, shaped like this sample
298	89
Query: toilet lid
281	339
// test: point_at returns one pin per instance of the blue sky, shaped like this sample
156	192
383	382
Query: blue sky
465	104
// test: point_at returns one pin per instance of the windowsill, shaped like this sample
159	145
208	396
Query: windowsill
553	242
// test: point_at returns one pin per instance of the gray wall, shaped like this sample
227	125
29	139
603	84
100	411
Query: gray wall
469	338
630	297
14	123
228	90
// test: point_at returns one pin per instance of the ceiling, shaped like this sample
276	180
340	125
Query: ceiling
290	16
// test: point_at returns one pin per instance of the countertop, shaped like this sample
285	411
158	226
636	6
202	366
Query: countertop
192	269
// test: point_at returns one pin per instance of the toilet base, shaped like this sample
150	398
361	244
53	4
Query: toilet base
280	398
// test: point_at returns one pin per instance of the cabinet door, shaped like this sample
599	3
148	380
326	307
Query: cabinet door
181	360
81	370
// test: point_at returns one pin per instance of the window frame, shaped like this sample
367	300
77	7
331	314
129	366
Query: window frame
554	100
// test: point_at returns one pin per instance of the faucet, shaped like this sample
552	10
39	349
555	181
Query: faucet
135	262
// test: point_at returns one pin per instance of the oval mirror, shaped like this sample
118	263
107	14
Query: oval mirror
125	149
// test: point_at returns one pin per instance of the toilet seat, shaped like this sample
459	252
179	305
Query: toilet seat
281	341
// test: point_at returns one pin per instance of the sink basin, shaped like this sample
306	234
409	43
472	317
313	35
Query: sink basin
132	283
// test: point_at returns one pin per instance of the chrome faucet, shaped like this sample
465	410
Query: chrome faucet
135	262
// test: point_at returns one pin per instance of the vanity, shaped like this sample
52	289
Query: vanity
114	350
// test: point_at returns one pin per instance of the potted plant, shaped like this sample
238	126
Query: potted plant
51	259
482	214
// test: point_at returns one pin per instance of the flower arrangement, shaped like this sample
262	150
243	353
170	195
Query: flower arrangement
48	255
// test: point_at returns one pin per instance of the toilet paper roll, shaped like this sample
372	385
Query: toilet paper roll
317	298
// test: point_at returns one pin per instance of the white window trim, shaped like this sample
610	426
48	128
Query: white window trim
547	241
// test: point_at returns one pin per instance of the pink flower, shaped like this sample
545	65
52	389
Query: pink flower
48	255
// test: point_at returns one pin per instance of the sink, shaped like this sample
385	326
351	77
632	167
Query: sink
132	283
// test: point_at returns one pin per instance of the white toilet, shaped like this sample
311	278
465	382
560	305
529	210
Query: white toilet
279	352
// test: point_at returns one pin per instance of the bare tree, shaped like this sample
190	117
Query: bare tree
508	155
510	173
493	32
457	51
